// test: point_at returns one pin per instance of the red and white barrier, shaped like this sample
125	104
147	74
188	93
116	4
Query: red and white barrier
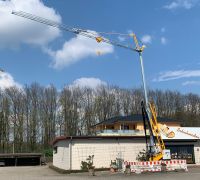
175	165
156	166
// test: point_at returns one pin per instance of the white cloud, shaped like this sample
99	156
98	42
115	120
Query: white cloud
188	83
76	49
146	39
186	4
172	75
7	80
163	40
17	30
88	82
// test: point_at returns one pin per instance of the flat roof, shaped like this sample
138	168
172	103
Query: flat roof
61	138
12	155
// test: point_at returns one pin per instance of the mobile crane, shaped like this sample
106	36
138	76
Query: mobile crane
156	146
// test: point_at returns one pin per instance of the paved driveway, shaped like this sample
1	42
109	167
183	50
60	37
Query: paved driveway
44	173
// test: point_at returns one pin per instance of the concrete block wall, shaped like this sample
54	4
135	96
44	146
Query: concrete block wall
104	151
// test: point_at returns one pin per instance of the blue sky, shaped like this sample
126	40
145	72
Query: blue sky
31	52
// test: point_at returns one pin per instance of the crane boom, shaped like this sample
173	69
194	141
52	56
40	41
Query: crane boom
82	32
149	110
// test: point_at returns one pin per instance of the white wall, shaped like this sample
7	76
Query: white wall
104	151
61	159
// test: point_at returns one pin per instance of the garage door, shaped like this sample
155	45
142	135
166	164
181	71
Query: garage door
182	152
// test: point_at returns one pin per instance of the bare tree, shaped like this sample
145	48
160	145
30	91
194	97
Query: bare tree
17	111
31	117
49	108
4	123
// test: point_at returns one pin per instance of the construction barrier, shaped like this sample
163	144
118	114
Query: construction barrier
175	165
156	166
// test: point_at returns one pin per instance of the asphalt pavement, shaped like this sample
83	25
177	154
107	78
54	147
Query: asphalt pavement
44	173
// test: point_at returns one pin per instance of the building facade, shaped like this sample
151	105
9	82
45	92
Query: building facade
122	138
70	151
130	125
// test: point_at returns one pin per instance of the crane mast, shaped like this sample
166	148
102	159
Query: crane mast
156	144
149	111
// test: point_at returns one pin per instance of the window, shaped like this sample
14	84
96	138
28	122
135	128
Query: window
124	127
55	149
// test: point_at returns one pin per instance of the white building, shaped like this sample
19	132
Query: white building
70	151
